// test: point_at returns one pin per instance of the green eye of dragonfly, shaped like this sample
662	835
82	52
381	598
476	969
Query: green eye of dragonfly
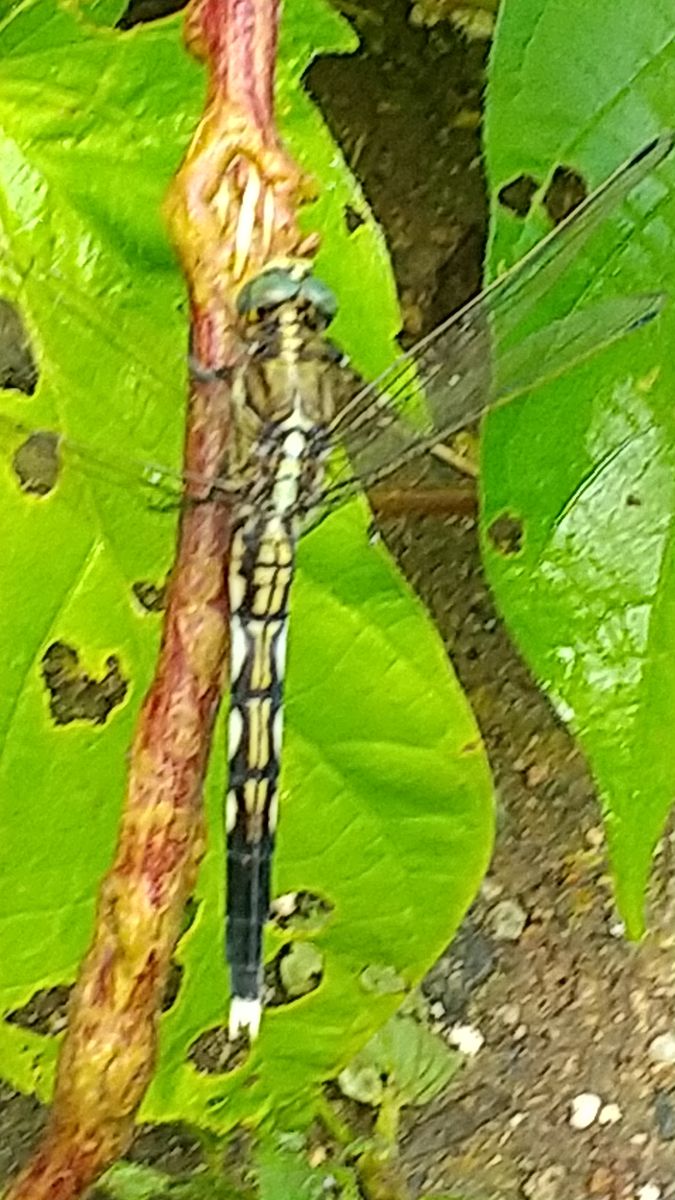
279	285
267	291
320	296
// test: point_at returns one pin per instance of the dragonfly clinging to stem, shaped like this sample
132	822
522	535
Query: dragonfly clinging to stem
292	407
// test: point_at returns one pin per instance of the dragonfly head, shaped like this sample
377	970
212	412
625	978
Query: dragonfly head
288	282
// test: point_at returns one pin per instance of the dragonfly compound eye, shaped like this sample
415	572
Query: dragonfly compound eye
280	285
267	291
316	293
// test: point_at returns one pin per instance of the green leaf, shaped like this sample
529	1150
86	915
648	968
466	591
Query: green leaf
286	1175
134	1181
386	797
584	468
403	1057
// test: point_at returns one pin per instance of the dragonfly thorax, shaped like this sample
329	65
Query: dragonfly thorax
285	394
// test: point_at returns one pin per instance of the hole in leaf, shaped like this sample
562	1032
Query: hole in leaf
74	695
36	463
212	1053
353	218
295	971
517	196
17	362
565	192
150	596
140	11
45	1013
190	911
506	534
173	983
302	911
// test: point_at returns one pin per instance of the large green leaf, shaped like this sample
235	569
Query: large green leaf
587	463
386	798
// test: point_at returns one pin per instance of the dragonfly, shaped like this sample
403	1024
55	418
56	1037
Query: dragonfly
306	439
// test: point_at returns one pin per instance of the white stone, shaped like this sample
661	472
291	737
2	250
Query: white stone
467	1039
508	919
648	1191
584	1109
609	1114
510	1014
491	889
662	1048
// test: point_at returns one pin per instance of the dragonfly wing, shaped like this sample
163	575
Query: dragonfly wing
462	398
36	458
551	351
459	343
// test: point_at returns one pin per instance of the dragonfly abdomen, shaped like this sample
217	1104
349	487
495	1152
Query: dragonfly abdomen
260	579
261	572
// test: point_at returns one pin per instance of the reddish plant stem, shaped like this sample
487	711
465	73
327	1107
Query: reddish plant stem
109	1051
230	208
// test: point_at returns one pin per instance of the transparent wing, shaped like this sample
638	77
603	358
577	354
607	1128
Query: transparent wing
446	381
37	457
390	442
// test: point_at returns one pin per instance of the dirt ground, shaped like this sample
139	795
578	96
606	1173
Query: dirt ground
564	1005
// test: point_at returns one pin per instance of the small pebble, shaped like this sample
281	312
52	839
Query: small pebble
519	1032
664	1114
510	1014
648	1191
584	1109
546	1184
536	774
467	1039
508	920
609	1114
662	1048
490	889
595	836
601	1182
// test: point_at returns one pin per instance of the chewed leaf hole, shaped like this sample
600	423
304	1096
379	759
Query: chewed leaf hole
139	12
173	983
18	368
212	1053
518	195
353	219
150	596
564	193
45	1013
295	971
76	696
189	917
36	463
506	534
300	911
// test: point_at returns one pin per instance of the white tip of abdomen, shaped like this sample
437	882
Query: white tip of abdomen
245	1016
